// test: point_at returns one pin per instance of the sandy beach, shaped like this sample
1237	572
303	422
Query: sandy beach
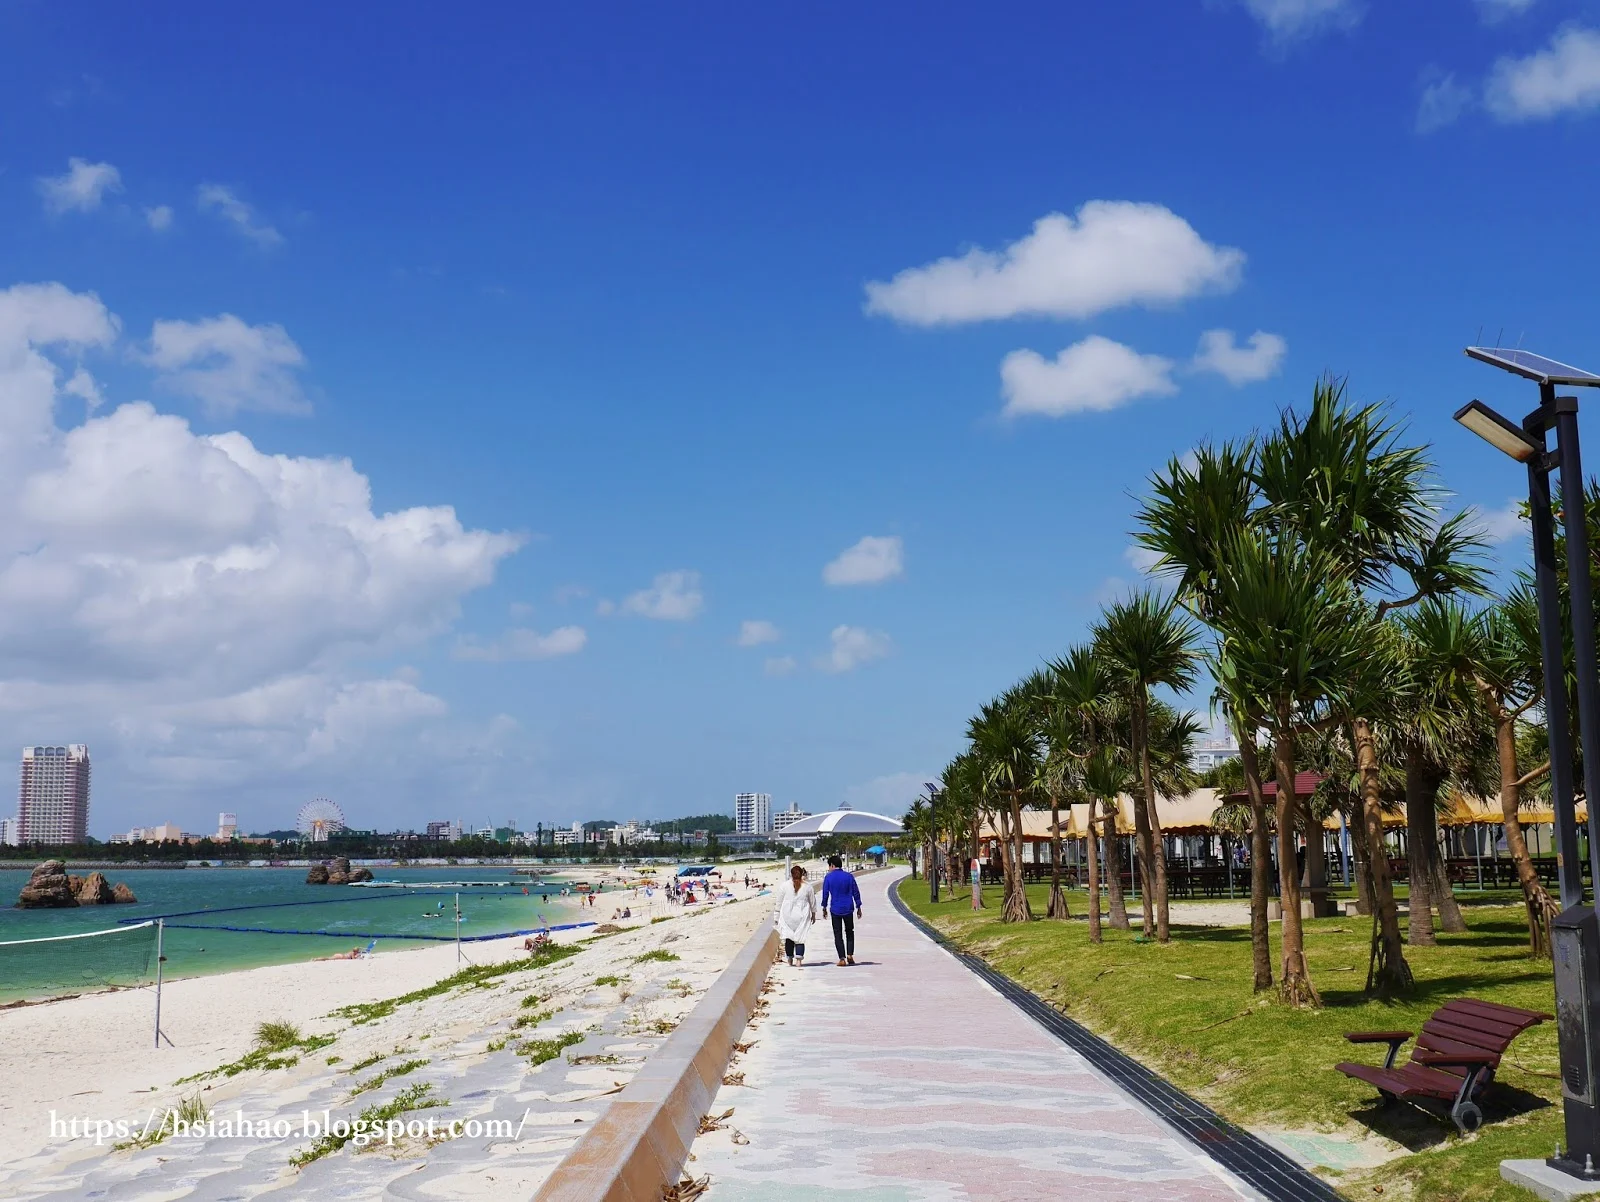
92	1059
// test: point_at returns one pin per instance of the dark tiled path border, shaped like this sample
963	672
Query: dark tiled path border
1265	1169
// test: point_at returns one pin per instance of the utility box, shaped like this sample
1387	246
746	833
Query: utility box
1575	944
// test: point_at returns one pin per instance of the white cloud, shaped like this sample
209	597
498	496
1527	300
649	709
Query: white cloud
1090	375
1115	253
871	561
1563	77
780	665
225	203
889	795
1290	20
1261	359
671	597
200	607
852	646
159	217
1495	11
1142	559
83	386
1443	100
522	643
756	631
228	365
1504	525
80	189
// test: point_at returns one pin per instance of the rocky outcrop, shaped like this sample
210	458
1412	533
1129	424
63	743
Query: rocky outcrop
318	875
49	886
339	871
94	890
360	874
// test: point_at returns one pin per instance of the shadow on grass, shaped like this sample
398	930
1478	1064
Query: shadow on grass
1434	991
1427	1125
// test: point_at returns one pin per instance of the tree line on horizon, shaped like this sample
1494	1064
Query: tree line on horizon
1346	620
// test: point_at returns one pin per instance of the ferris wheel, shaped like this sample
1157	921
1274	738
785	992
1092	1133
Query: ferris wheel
319	818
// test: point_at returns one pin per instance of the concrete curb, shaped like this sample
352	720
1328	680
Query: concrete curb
639	1145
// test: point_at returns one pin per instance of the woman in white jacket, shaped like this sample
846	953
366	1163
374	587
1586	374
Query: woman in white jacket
797	910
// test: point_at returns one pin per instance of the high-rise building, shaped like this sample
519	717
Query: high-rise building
53	800
439	830
752	813
10	832
227	827
783	819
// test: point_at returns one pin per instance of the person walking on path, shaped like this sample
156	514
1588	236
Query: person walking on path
841	898
797	910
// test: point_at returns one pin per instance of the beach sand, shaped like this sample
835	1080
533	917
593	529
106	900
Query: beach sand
92	1058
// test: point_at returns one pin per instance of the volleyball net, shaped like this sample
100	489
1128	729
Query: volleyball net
120	956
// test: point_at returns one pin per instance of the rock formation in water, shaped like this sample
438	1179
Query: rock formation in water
318	875
360	874
50	886
338	871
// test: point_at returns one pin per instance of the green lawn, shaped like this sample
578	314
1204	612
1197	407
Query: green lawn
1186	1010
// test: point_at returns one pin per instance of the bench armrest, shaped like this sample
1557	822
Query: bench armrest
1377	1036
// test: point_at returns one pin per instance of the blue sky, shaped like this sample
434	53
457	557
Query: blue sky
585	299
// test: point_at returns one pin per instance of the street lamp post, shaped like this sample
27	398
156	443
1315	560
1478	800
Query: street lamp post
933	840
1575	933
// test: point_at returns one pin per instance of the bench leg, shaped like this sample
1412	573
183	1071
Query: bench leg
1465	1113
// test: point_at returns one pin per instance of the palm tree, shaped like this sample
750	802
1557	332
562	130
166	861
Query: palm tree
1147	644
1080	693
1005	742
1505	666
961	789
1105	775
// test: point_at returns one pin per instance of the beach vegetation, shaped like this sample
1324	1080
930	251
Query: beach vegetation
278	1045
189	1111
414	1097
538	1051
276	1036
608	979
660	955
533	1019
470	977
399	1070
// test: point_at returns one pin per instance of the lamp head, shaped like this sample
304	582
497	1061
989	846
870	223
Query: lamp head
1498	431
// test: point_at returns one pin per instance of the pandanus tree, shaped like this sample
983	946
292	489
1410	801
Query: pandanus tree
1145	643
1106	775
1505	665
1005	742
1078	697
961	795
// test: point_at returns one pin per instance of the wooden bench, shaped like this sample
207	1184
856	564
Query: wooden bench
1454	1059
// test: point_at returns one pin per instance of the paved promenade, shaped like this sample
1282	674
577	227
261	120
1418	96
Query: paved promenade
907	1079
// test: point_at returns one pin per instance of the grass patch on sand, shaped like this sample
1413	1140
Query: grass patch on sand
477	975
1186	1010
538	1051
399	1070
660	956
278	1045
190	1110
413	1097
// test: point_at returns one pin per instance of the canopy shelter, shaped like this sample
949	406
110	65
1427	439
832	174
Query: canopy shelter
697	870
843	821
877	849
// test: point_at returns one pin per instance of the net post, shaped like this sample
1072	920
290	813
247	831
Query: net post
160	929
458	932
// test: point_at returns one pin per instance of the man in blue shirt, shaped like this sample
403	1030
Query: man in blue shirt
841	898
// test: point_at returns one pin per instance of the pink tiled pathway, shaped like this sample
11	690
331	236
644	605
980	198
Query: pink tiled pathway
907	1079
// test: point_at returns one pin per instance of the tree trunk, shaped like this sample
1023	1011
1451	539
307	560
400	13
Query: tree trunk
1536	900
1260	864
1119	905
1017	908
974	862
1387	970
1358	852
1058	900
1420	925
1093	843
1152	855
1295	980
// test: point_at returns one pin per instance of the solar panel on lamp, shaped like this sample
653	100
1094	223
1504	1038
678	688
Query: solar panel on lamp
1534	367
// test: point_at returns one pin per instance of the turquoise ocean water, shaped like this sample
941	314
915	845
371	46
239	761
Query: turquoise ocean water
271	897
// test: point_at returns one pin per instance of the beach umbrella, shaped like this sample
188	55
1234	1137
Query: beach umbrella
877	849
843	821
